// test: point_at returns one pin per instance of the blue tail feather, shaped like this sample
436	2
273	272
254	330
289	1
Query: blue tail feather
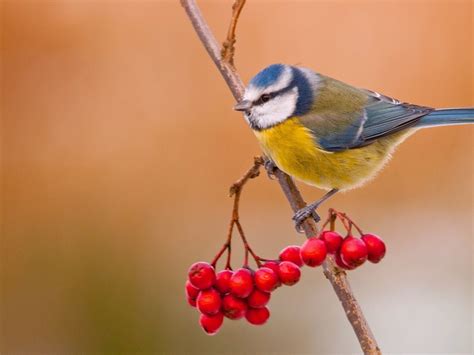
447	116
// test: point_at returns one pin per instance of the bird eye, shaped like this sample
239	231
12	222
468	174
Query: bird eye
262	99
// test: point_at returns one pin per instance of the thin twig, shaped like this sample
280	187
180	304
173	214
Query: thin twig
235	191
248	249
351	222
337	277
228	49
346	221
253	172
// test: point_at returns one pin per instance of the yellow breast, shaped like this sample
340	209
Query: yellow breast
294	150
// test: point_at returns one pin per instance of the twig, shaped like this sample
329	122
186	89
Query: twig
348	219
253	172
336	276
347	222
228	48
235	191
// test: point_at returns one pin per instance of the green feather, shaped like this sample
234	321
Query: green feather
344	117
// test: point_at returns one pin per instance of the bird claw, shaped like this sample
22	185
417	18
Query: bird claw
302	214
270	167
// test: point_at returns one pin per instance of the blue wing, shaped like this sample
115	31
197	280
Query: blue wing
380	116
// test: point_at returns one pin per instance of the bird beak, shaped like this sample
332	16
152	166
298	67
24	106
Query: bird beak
243	105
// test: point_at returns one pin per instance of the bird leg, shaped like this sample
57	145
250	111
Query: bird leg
310	210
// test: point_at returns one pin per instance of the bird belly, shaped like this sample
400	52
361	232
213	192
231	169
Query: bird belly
294	150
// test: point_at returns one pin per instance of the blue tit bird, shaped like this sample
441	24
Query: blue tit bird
327	133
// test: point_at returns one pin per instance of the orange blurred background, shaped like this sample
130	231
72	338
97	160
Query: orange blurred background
119	144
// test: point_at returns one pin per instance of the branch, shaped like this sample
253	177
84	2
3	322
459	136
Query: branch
210	43
336	276
228	48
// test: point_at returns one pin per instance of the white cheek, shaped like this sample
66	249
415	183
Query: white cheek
276	110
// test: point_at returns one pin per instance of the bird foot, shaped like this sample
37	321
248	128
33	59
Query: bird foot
270	167
304	213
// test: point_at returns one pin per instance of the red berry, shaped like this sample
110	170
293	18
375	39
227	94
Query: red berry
211	324
313	252
375	247
289	273
291	253
266	279
276	269
223	281
258	299
353	251
202	275
233	307
191	291
241	283
333	241
257	316
191	301
272	265
209	301
341	263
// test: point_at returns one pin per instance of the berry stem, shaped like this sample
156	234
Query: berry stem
351	222
226	246
229	252
235	191
359	230
331	220
265	260
345	220
246	259
219	254
248	249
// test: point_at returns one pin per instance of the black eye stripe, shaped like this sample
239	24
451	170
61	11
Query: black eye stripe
263	98
267	97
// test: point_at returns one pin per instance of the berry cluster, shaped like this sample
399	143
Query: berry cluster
241	293
246	292
351	252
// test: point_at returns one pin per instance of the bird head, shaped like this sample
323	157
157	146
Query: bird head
277	93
